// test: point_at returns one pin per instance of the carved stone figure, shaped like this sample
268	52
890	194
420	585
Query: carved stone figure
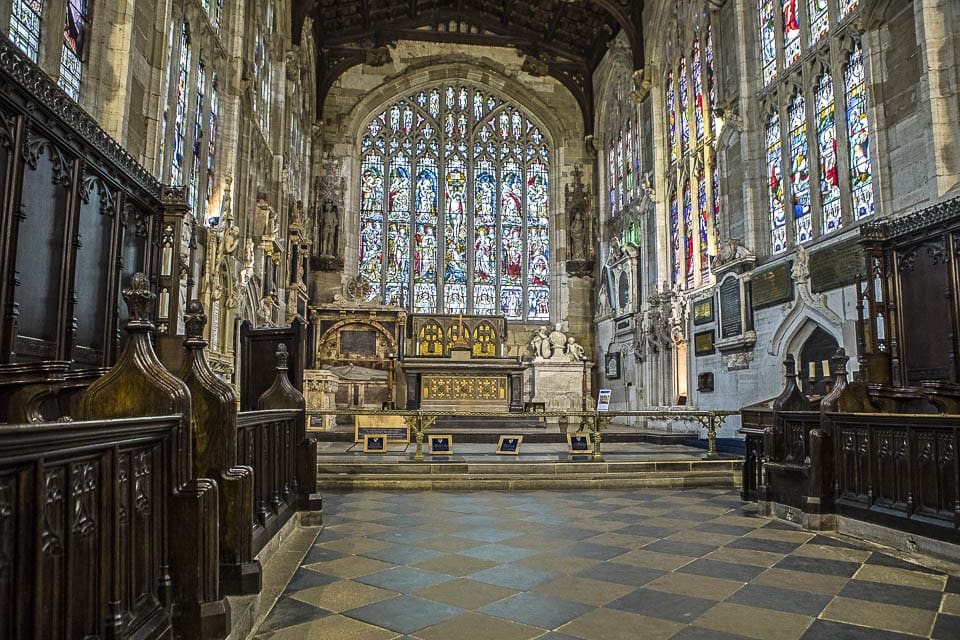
575	350
329	227
540	344
578	210
558	341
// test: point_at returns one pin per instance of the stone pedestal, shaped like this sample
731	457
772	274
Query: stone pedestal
561	385
320	392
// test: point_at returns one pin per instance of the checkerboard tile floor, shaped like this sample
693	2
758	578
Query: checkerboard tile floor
598	565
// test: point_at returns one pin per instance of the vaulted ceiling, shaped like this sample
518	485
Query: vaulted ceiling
562	38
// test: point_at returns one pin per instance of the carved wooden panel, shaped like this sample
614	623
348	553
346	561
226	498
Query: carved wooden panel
927	316
854	463
893	471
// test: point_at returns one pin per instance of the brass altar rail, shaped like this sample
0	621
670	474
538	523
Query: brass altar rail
420	421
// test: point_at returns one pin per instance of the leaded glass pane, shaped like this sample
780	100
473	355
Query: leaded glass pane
800	169
827	147
675	239
688	234
491	241
25	26
861	173
819	19
768	41
778	223
791	32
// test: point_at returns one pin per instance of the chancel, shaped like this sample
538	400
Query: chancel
546	319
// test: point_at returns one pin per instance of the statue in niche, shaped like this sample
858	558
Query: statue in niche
580	222
329	228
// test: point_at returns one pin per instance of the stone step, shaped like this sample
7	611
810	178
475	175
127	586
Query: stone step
516	474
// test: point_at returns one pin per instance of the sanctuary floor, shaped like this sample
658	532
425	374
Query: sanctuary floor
597	565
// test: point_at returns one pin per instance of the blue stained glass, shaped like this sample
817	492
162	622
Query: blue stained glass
778	222
704	212
768	41
858	132
819	19
827	146
683	106
675	239
688	234
698	91
456	223
493	258
847	7
671	118
800	170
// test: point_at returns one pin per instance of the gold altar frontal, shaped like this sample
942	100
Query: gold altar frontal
488	384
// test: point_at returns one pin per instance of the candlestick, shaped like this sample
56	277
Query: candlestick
813	370
826	368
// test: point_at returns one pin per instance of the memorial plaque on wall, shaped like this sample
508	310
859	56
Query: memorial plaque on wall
703	311
771	287
836	266
361	343
703	343
731	318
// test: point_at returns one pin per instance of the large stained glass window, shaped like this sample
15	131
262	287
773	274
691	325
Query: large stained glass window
212	130
859	136
25	26
825	138
455	205
623	166
778	221
692	129
800	172
71	55
192	193
180	118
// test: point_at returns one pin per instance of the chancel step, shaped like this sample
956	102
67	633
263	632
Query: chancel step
516	474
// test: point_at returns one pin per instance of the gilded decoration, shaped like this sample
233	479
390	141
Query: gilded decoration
464	388
437	334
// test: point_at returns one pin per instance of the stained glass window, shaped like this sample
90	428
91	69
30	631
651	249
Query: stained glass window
847	7
180	119
816	177
827	147
778	222
25	26
71	55
819	19
800	170
861	173
768	41
791	32
455	206
193	198
212	145
691	94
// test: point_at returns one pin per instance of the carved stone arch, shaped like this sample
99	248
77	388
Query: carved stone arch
430	340
875	13
417	77
328	347
485	339
801	332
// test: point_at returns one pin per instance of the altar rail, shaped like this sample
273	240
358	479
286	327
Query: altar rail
421	421
83	529
267	441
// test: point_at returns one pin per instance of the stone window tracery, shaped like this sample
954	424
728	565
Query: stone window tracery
180	117
692	128
623	155
815	99
455	205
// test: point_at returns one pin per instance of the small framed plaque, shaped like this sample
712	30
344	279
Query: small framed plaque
703	311
509	445
579	443
703	343
440	445
611	366
374	444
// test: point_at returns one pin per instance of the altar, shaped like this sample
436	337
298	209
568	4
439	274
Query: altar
457	365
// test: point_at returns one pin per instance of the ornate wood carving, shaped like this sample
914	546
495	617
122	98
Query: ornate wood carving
214	417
